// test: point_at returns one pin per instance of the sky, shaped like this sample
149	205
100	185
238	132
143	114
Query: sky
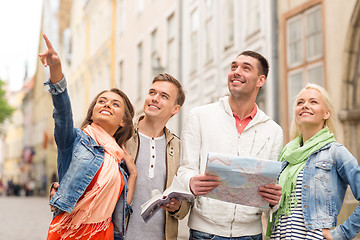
19	38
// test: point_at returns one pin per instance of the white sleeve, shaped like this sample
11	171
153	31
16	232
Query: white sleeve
190	150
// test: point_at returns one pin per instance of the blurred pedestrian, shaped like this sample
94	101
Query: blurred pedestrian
30	187
2	188
10	187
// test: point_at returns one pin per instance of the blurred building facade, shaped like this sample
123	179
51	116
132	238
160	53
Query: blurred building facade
214	33
126	43
147	40
195	41
43	140
28	150
13	141
89	50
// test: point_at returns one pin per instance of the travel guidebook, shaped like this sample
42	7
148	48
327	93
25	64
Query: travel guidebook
158	199
241	177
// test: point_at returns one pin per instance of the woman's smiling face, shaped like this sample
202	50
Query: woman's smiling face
311	110
108	111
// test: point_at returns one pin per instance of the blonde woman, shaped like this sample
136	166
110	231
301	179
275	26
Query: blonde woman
316	173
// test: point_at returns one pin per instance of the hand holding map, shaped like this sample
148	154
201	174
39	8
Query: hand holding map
241	177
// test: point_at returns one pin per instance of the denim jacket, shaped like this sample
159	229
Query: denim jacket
327	174
79	159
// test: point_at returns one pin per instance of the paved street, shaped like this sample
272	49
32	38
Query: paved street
24	218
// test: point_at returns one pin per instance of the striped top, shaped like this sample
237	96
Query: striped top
293	226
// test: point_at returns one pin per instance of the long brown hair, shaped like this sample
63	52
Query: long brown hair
124	133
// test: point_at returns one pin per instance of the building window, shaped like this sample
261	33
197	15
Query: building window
304	51
294	86
92	87
121	75
194	48
253	16
294	41
140	6
315	74
67	44
154	40
121	16
194	93
171	46
155	58
228	23
139	70
99	82
93	34
108	15
313	33
209	37
106	79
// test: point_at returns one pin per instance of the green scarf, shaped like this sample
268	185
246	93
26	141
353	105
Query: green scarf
297	155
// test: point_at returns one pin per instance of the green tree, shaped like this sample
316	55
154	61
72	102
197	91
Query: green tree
5	109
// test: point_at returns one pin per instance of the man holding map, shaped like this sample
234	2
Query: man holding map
233	126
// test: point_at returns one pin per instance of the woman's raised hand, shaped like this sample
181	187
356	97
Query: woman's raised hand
130	164
129	161
50	58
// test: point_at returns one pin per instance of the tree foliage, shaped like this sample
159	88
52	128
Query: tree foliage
5	109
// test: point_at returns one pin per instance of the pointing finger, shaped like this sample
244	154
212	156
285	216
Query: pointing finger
48	43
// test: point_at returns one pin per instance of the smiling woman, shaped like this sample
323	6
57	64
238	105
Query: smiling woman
112	110
93	183
313	109
311	112
316	174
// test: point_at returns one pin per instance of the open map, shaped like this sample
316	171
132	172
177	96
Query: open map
241	177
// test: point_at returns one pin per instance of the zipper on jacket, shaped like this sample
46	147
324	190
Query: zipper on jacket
232	222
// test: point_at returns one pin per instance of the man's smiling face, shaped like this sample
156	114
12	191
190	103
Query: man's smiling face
244	77
161	101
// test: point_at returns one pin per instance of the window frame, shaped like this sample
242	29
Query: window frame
306	63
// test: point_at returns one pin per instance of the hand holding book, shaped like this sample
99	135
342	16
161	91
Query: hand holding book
173	206
159	199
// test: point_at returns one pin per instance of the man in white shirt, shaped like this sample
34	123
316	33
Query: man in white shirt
235	126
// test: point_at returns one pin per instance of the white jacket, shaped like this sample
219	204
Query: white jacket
212	128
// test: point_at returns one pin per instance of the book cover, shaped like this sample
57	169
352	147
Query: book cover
158	199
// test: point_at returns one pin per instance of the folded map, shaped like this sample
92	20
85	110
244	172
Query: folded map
241	177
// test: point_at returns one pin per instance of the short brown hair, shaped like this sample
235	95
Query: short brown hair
264	65
168	78
124	133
